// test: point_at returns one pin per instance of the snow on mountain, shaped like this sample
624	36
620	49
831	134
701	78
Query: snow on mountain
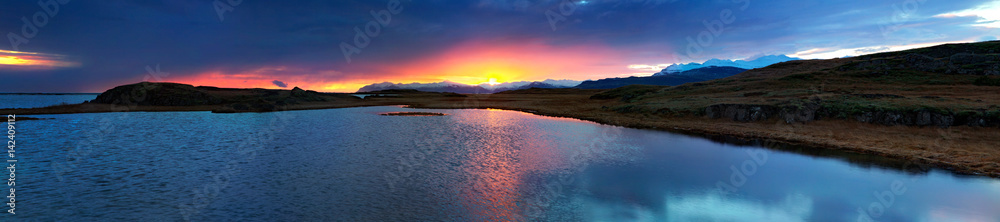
563	82
448	86
504	85
750	63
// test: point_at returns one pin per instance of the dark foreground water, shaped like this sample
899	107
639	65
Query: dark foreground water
41	100
472	165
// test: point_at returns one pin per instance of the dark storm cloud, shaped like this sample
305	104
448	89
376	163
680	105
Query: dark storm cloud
114	40
279	84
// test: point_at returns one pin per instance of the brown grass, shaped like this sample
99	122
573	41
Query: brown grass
973	150
962	149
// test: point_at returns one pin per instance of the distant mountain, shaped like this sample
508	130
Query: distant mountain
448	86
751	63
673	79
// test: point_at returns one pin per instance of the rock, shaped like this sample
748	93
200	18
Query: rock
811	111
741	112
804	113
916	118
923	118
877	96
298	94
157	94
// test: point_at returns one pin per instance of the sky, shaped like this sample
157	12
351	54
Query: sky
340	46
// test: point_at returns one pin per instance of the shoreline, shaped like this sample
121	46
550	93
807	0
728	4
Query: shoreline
950	167
570	106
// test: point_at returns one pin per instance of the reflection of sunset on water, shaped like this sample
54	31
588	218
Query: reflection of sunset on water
507	152
493	172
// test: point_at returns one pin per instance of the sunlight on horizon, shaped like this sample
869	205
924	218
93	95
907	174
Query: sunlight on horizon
832	53
988	14
33	61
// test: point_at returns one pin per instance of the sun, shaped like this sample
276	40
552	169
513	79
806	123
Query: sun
12	60
493	82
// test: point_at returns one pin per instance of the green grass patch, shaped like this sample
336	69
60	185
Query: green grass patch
987	81
627	93
799	77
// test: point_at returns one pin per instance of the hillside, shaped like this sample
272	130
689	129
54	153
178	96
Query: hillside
750	63
944	86
689	76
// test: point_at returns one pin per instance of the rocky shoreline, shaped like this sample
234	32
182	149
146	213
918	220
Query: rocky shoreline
938	105
814	111
753	122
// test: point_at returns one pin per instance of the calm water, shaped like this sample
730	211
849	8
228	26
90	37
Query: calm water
472	165
35	101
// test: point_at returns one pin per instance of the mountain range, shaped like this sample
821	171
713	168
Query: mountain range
750	63
675	74
672	79
449	86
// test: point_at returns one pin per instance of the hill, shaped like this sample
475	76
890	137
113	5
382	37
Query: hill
946	85
229	100
750	63
689	76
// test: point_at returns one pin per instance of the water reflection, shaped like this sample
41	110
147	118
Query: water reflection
471	165
679	180
715	207
491	166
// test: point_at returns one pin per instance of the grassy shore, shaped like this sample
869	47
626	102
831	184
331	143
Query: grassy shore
938	105
963	149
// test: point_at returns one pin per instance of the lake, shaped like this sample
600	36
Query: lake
42	100
470	165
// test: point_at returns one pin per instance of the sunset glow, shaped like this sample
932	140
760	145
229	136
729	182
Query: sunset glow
32	61
478	62
501	110
473	63
469	43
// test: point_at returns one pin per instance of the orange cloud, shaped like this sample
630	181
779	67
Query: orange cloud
476	62
263	77
472	62
15	60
